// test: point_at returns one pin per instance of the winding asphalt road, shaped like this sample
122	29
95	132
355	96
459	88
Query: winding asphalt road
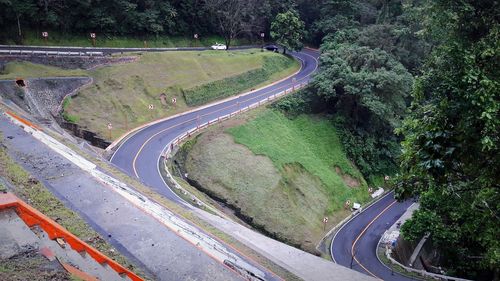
356	242
139	154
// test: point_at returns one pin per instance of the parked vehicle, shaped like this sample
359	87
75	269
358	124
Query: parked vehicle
219	46
272	48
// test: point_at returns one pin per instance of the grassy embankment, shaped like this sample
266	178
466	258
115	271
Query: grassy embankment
83	40
121	93
38	196
285	174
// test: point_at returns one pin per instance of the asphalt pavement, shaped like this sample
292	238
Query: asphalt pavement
355	244
140	153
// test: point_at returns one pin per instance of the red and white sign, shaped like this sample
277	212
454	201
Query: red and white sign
151	107
92	35
174	100
45	34
110	126
196	36
325	219
370	190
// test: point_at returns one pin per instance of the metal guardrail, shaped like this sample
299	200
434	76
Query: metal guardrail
49	53
187	134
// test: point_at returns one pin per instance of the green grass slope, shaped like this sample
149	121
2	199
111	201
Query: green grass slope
121	93
284	175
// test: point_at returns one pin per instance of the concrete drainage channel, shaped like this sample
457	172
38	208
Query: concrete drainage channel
198	238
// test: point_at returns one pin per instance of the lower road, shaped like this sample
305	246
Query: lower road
355	244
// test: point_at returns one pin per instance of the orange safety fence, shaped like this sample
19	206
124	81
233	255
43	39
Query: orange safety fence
32	217
22	120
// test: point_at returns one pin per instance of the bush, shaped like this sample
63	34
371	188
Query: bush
235	84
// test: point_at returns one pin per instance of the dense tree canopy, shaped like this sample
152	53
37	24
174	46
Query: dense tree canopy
288	30
451	152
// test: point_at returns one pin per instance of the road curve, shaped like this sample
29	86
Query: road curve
139	154
361	235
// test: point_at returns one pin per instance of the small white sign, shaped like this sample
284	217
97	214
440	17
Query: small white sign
196	36
92	35
45	34
174	100
325	219
110	126
262	34
151	107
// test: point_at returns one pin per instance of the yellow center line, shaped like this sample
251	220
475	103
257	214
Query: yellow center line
363	232
211	112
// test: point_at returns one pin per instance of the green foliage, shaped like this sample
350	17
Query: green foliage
366	89
288	30
70	118
451	151
232	85
309	141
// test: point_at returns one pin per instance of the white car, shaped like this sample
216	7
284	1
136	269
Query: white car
219	46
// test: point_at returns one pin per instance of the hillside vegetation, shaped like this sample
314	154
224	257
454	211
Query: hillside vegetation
121	93
282	175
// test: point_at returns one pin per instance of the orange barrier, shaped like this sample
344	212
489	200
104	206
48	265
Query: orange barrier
32	217
22	120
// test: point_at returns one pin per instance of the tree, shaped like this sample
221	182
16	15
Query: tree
233	17
288	30
367	91
451	151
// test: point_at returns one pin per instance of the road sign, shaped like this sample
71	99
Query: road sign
45	34
325	219
262	34
151	107
347	204
92	35
386	178
370	190
110	126
196	36
174	100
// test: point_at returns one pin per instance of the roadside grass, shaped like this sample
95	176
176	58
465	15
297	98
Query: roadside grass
38	196
83	40
280	173
121	94
235	84
26	69
310	141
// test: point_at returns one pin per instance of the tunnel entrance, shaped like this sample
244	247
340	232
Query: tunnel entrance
20	82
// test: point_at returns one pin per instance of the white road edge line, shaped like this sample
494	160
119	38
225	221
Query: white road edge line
347	222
